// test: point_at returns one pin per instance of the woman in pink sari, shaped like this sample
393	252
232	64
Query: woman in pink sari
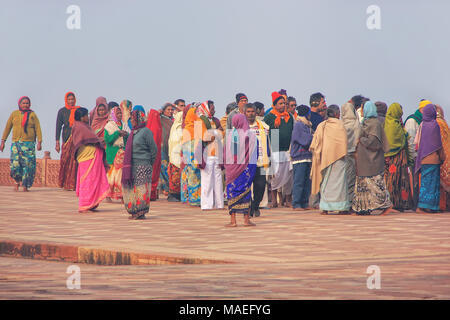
89	151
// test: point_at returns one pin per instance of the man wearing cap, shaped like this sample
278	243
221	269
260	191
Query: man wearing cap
281	124
241	100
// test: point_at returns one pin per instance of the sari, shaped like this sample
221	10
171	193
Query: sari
137	175
429	141
154	124
92	185
174	171
329	167
240	154
370	189
444	202
396	171
190	173
116	151
68	165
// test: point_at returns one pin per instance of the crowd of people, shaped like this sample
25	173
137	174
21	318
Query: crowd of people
359	158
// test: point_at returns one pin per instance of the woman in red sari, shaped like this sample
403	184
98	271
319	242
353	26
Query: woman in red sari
154	124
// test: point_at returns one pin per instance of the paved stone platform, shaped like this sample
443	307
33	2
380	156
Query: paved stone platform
288	255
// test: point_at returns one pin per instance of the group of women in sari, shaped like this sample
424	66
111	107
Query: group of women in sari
116	152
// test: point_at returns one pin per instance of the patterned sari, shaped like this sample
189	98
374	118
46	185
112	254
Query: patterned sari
68	167
190	176
115	176
23	162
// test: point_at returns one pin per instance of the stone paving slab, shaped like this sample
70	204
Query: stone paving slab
288	255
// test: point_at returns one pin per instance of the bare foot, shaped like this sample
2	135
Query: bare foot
16	187
231	225
109	200
25	189
419	210
82	211
387	211
249	224
274	205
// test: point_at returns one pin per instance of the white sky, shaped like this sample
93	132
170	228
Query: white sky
151	52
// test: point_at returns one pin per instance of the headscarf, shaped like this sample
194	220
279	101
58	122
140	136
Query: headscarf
185	111
113	116
370	110
82	134
395	133
136	108
275	97
351	125
175	138
239	148
139	118
154	124
26	114
329	144
439	112
381	110
430	135
98	123
424	103
72	109
203	110
126	106
115	124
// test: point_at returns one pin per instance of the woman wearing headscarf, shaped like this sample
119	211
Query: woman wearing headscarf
328	173
210	164
430	156
126	108
136	108
140	154
99	117
412	124
370	190
115	138
26	128
352	126
381	111
64	122
166	125
174	172
112	104
190	173
154	124
396	159
240	156
445	166
89	152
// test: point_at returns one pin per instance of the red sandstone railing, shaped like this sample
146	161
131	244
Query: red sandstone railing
47	172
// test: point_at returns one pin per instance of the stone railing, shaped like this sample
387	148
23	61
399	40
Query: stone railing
47	172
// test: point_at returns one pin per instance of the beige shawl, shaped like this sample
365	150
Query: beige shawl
351	125
329	144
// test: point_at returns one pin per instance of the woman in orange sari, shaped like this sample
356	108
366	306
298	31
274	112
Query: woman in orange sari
444	202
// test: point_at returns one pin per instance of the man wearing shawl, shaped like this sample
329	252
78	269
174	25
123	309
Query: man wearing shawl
174	171
396	171
328	172
240	156
154	124
412	124
430	156
370	190
301	158
445	166
140	154
210	146
352	127
64	122
88	150
190	173
166	124
26	128
281	125
99	117
115	138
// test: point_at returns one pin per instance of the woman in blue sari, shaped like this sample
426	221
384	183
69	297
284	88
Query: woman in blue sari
240	156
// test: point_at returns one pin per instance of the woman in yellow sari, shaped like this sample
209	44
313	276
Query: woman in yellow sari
444	202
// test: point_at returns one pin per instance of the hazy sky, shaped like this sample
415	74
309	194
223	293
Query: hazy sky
151	52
